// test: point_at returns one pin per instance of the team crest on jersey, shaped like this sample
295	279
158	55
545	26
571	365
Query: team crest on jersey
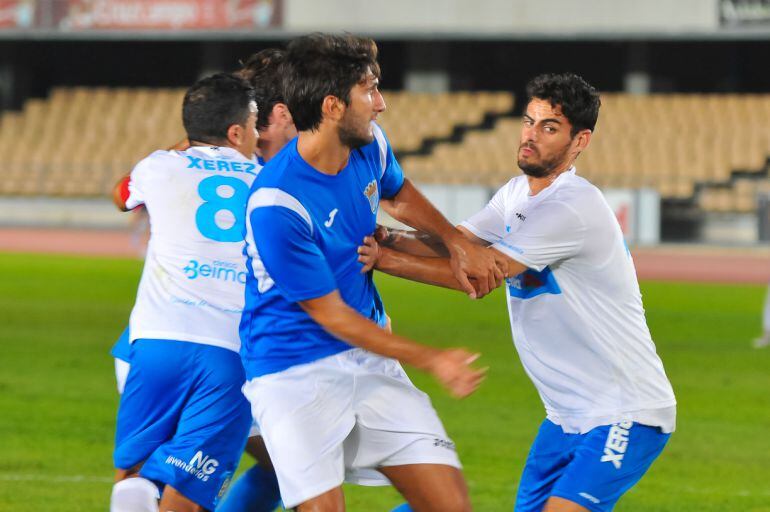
531	283
373	195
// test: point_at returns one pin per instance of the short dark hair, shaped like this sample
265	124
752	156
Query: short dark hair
578	99
262	70
213	104
319	65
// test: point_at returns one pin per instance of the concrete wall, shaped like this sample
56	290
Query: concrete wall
510	16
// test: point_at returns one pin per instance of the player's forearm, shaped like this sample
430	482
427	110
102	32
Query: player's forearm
412	208
413	242
428	270
346	324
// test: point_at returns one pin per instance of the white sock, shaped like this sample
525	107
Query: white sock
134	495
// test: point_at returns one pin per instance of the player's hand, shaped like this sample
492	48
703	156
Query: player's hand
369	254
471	261
382	234
452	368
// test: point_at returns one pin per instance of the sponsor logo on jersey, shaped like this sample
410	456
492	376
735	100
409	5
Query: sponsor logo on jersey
444	443
220	270
200	466
532	283
521	216
592	499
372	195
617	443
221	165
330	221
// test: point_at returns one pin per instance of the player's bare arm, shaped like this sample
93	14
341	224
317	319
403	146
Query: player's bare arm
468	261
418	243
436	271
411	242
451	367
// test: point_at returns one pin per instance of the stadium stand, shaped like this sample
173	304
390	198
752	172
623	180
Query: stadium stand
712	149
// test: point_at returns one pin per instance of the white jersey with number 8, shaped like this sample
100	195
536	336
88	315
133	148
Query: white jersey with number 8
194	273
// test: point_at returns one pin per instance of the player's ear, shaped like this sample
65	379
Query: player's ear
235	135
582	139
333	108
282	114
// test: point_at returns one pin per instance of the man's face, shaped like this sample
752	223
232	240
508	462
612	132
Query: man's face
545	141
248	145
366	103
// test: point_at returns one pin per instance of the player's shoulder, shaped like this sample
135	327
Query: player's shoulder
577	189
159	159
277	171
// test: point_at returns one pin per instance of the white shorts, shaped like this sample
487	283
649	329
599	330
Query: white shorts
121	374
339	418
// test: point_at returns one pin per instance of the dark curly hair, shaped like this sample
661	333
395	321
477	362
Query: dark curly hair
578	99
262	70
319	65
213	104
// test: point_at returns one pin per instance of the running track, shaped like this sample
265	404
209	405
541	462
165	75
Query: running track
668	263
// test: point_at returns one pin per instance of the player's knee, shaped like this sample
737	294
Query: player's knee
134	495
454	500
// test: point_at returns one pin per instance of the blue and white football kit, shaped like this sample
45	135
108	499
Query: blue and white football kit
327	411
579	327
121	351
182	413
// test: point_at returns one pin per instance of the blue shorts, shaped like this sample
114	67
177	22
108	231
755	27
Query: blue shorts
122	348
592	469
184	416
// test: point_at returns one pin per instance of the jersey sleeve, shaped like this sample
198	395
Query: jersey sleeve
139	180
489	223
289	253
392	177
550	233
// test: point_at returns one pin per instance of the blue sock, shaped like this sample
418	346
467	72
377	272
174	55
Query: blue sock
255	491
402	508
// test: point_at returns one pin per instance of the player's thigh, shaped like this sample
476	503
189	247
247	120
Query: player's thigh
174	501
608	462
548	459
305	414
430	487
255	447
152	400
556	504
332	500
201	457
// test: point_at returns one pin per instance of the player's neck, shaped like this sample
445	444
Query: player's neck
323	151
268	148
537	185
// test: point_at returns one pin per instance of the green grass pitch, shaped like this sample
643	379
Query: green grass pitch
59	316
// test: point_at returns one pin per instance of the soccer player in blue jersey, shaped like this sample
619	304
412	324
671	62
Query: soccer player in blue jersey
324	382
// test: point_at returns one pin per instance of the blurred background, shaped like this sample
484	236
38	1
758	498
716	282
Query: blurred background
89	87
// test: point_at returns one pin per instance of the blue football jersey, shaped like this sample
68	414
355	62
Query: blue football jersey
302	231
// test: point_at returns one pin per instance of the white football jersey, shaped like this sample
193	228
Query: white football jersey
576	314
192	284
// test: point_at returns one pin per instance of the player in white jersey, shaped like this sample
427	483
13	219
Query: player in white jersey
183	420
575	310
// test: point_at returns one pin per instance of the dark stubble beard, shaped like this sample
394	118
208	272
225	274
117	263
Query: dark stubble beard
350	137
546	167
